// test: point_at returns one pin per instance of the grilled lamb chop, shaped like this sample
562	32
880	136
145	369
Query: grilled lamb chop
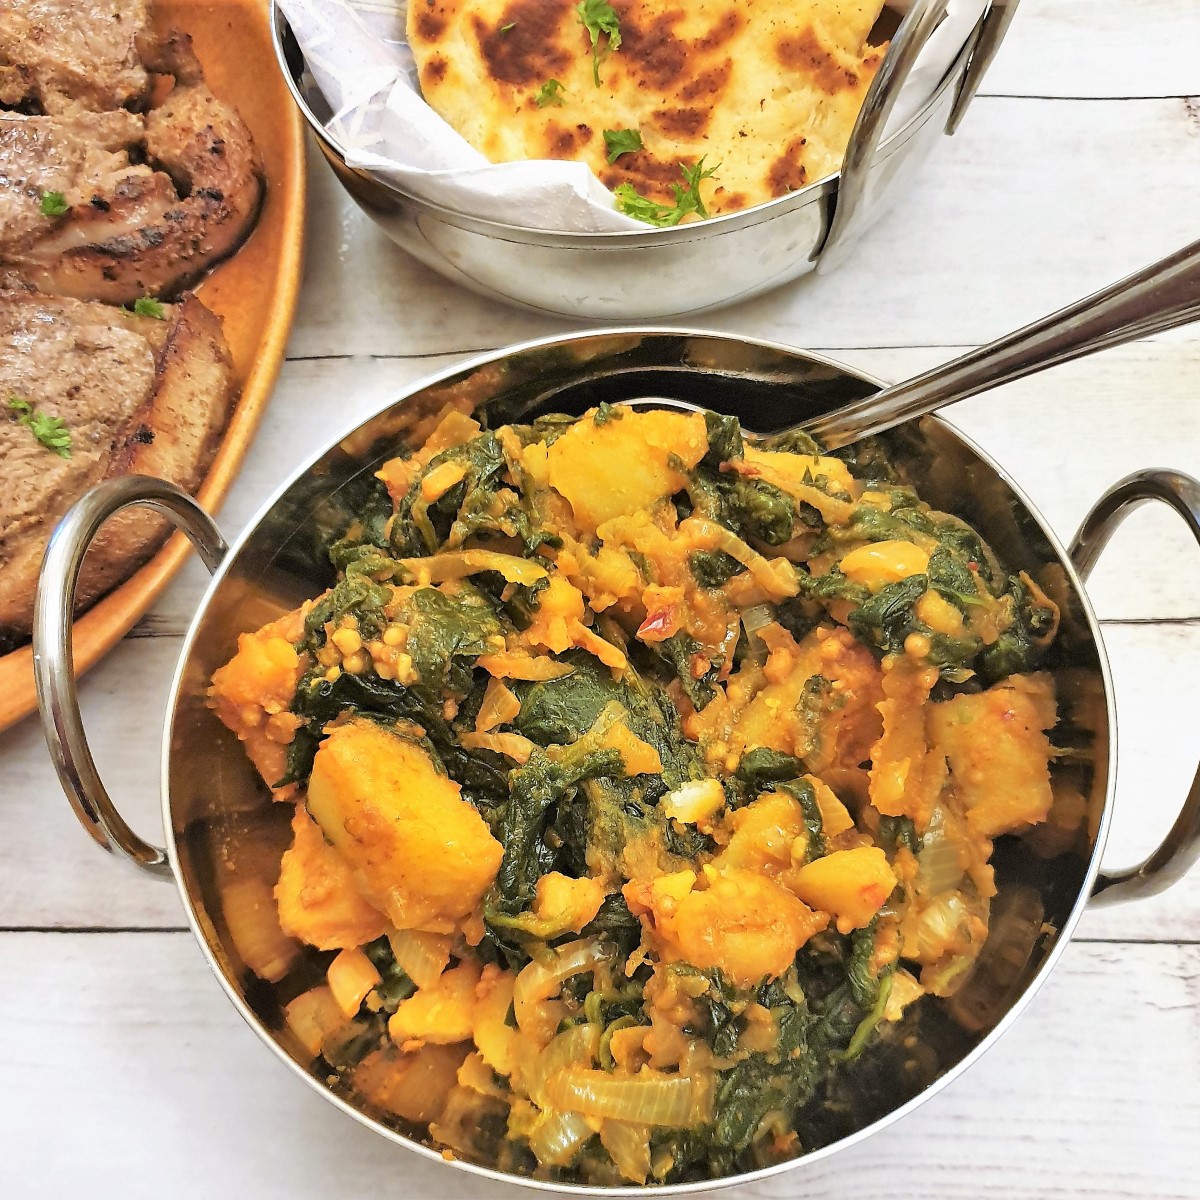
152	202
136	394
61	56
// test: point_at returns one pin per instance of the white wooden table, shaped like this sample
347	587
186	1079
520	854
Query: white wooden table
125	1071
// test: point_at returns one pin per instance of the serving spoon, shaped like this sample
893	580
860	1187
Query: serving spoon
1159	297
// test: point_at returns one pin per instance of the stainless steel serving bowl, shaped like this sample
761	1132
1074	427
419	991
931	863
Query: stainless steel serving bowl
667	272
216	811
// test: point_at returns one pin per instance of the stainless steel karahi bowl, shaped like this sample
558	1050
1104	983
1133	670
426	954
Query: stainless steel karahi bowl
643	275
219	818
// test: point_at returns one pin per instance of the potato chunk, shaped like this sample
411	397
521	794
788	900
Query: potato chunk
623	465
443	1013
418	851
819	703
906	776
852	885
746	924
763	834
998	752
318	902
567	903
495	1037
253	691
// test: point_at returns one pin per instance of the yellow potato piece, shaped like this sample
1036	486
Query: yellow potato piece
852	885
317	898
763	834
419	851
639	757
746	924
559	610
998	752
839	734
940	615
906	776
495	1037
442	1014
880	563
567	903
623	465
253	691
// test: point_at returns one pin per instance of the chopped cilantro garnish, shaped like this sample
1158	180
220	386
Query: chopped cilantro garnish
621	141
600	20
550	93
54	204
52	432
687	199
147	306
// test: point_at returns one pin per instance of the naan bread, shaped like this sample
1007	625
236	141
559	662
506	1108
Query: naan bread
766	91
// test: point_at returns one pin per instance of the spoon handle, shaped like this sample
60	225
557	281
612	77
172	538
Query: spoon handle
1159	297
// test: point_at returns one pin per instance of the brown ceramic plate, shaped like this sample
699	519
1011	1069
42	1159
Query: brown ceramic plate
254	293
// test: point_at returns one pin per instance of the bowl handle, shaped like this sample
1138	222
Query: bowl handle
53	657
1181	847
917	27
993	27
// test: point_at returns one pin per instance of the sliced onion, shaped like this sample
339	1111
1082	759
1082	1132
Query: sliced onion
252	918
511	745
678	1101
514	664
629	1148
457	564
500	705
574	1047
312	1017
755	619
413	1086
940	859
540	980
558	1138
942	928
776	577
421	956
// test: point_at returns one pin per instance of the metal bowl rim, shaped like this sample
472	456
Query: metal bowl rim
807	1160
758	214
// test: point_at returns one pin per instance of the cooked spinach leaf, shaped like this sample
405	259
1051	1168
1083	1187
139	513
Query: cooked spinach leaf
805	794
443	630
533	788
396	985
712	568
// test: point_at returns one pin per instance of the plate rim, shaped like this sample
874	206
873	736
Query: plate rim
107	621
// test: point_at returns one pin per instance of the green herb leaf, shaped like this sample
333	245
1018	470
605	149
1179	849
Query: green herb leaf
550	94
687	199
506	28
621	141
600	20
52	432
147	306
54	204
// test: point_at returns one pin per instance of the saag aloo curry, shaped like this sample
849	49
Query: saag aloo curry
643	775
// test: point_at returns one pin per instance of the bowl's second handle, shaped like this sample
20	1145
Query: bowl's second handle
992	30
53	659
853	207
1181	847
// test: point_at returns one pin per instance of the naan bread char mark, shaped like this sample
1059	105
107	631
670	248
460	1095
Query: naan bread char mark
765	90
